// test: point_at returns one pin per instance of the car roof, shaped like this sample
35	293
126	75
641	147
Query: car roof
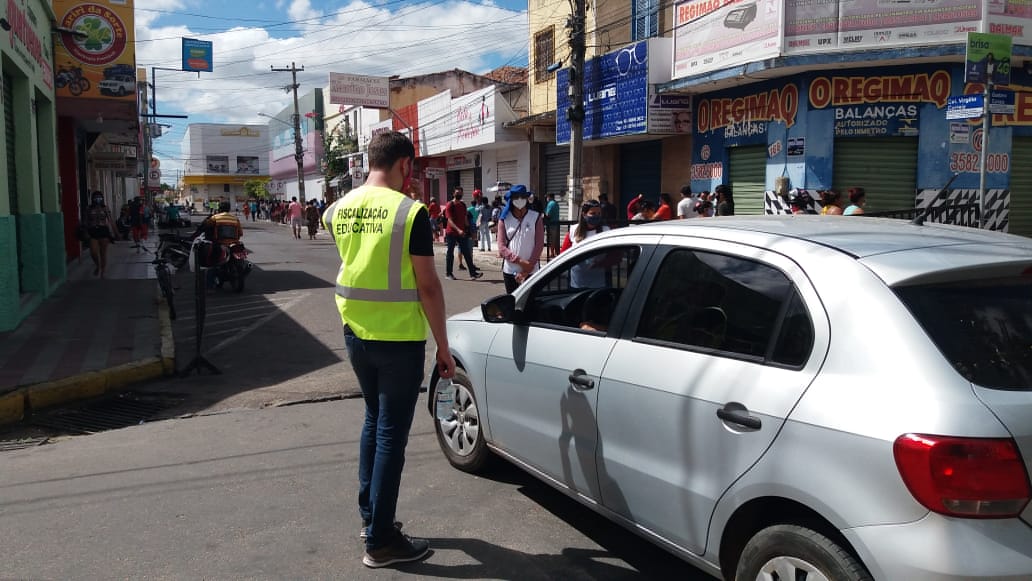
896	250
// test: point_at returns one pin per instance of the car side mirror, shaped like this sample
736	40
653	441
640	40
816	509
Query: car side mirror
499	309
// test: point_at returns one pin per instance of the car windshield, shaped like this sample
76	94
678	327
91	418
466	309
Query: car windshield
984	328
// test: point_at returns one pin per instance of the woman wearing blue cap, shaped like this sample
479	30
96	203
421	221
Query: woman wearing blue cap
521	238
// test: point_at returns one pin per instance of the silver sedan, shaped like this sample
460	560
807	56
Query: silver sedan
791	397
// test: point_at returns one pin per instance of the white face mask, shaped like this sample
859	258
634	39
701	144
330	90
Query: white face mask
519	203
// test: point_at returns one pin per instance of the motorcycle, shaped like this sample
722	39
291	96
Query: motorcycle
228	264
175	249
236	267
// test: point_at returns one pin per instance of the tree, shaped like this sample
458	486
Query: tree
257	188
337	145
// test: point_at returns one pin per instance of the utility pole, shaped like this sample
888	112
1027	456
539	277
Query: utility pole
575	112
299	155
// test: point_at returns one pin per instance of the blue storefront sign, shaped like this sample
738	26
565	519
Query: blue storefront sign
615	95
197	55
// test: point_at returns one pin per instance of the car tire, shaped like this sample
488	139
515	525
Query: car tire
457	423
790	552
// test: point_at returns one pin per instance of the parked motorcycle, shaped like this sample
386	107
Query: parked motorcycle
175	249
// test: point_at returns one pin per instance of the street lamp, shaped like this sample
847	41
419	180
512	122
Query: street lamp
298	153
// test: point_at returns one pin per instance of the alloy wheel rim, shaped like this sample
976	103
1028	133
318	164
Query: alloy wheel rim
785	568
461	426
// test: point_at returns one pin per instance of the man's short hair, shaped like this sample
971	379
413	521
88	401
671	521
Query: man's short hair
387	148
686	190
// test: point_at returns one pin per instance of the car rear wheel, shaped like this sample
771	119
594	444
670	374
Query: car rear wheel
795	553
457	423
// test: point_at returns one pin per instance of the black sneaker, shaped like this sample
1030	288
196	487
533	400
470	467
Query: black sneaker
449	276
476	275
365	529
403	549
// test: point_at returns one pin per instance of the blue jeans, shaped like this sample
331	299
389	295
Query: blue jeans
465	247
389	373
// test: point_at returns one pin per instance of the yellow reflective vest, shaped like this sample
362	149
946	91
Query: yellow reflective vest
376	284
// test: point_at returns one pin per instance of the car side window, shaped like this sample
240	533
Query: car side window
727	303
583	292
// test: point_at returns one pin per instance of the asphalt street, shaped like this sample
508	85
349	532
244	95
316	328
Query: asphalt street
252	474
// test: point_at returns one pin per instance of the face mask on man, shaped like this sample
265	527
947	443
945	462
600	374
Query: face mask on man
458	197
98	200
519	203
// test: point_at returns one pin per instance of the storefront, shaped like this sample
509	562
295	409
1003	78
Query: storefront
32	252
635	140
881	129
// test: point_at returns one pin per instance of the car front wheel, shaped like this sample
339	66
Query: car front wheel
457	423
795	553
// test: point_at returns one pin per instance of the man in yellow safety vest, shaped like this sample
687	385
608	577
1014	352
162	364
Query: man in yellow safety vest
387	292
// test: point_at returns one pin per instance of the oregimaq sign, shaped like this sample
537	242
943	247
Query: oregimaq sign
346	89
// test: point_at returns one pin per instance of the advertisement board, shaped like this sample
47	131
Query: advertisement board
1013	18
714	34
879	105
434	130
984	51
864	24
197	55
473	119
101	62
616	91
360	90
669	113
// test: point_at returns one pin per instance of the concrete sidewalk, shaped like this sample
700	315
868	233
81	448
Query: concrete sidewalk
90	337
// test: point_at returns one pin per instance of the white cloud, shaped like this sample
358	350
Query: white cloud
397	39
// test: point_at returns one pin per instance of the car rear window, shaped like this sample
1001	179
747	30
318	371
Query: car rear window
984	328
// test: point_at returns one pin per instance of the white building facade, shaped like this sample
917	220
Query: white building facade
220	159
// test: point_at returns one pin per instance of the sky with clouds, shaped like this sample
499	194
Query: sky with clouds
379	37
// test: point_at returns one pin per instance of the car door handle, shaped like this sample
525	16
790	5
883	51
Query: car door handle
740	417
581	380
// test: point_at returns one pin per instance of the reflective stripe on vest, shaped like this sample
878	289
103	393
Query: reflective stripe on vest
393	293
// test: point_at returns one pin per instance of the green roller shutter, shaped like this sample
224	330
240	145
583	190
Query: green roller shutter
885	167
1020	211
748	178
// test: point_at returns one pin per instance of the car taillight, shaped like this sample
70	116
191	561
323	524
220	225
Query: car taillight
964	477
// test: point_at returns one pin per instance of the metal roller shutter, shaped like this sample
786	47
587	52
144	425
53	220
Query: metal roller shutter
748	178
507	171
556	165
885	167
467	181
641	166
1020	214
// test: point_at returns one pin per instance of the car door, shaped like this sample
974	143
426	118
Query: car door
716	352
543	374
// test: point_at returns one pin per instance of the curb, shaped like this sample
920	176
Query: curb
15	406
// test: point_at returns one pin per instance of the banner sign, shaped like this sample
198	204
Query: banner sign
1011	18
197	55
434	130
473	119
715	34
360	90
884	105
616	91
669	113
863	24
983	49
101	62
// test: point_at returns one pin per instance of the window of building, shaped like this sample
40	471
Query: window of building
544	54
645	19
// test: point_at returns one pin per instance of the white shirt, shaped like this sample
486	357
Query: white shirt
520	239
686	207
